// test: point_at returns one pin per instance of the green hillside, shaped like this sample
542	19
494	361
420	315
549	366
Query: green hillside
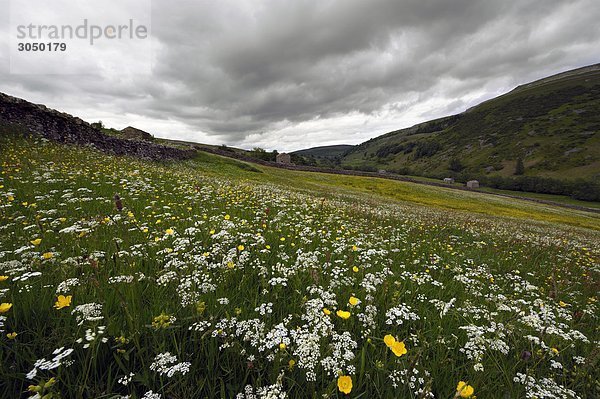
328	151
552	125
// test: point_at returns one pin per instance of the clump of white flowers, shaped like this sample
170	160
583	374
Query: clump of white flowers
43	364
399	314
88	312
274	391
166	364
544	388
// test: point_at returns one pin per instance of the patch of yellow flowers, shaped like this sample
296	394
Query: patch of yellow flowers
463	390
397	347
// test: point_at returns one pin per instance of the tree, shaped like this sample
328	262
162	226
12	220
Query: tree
261	153
98	125
520	168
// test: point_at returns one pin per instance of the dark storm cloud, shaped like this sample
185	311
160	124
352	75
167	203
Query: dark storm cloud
249	72
278	61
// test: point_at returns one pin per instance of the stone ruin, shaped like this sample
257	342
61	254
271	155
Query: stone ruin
67	129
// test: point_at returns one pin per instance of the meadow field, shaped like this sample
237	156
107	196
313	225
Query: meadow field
213	278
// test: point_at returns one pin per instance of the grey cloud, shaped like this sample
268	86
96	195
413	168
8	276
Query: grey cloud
239	70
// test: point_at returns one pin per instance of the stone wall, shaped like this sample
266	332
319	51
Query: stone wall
64	128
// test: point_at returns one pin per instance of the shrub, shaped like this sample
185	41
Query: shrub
520	168
427	149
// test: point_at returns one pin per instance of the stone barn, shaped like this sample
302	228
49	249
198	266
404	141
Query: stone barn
473	184
132	133
283	158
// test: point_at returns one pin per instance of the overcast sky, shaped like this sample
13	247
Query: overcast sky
288	75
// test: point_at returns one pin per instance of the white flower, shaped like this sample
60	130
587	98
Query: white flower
166	364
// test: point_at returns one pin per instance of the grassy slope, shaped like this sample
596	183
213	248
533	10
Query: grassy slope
561	199
540	122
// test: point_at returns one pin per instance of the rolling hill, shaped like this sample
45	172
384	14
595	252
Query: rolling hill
552	125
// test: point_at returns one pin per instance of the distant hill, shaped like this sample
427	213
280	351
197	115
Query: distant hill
551	127
329	151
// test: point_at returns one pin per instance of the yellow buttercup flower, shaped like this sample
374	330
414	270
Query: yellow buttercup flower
389	340
282	346
399	348
36	242
344	384
353	301
355	269
11	335
464	390
227	217
240	248
169	231
326	311
3	278
343	314
47	255
63	301
5	307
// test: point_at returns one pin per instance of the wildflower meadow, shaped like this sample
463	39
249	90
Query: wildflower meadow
214	279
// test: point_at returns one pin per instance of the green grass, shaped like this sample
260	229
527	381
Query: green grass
218	263
561	199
